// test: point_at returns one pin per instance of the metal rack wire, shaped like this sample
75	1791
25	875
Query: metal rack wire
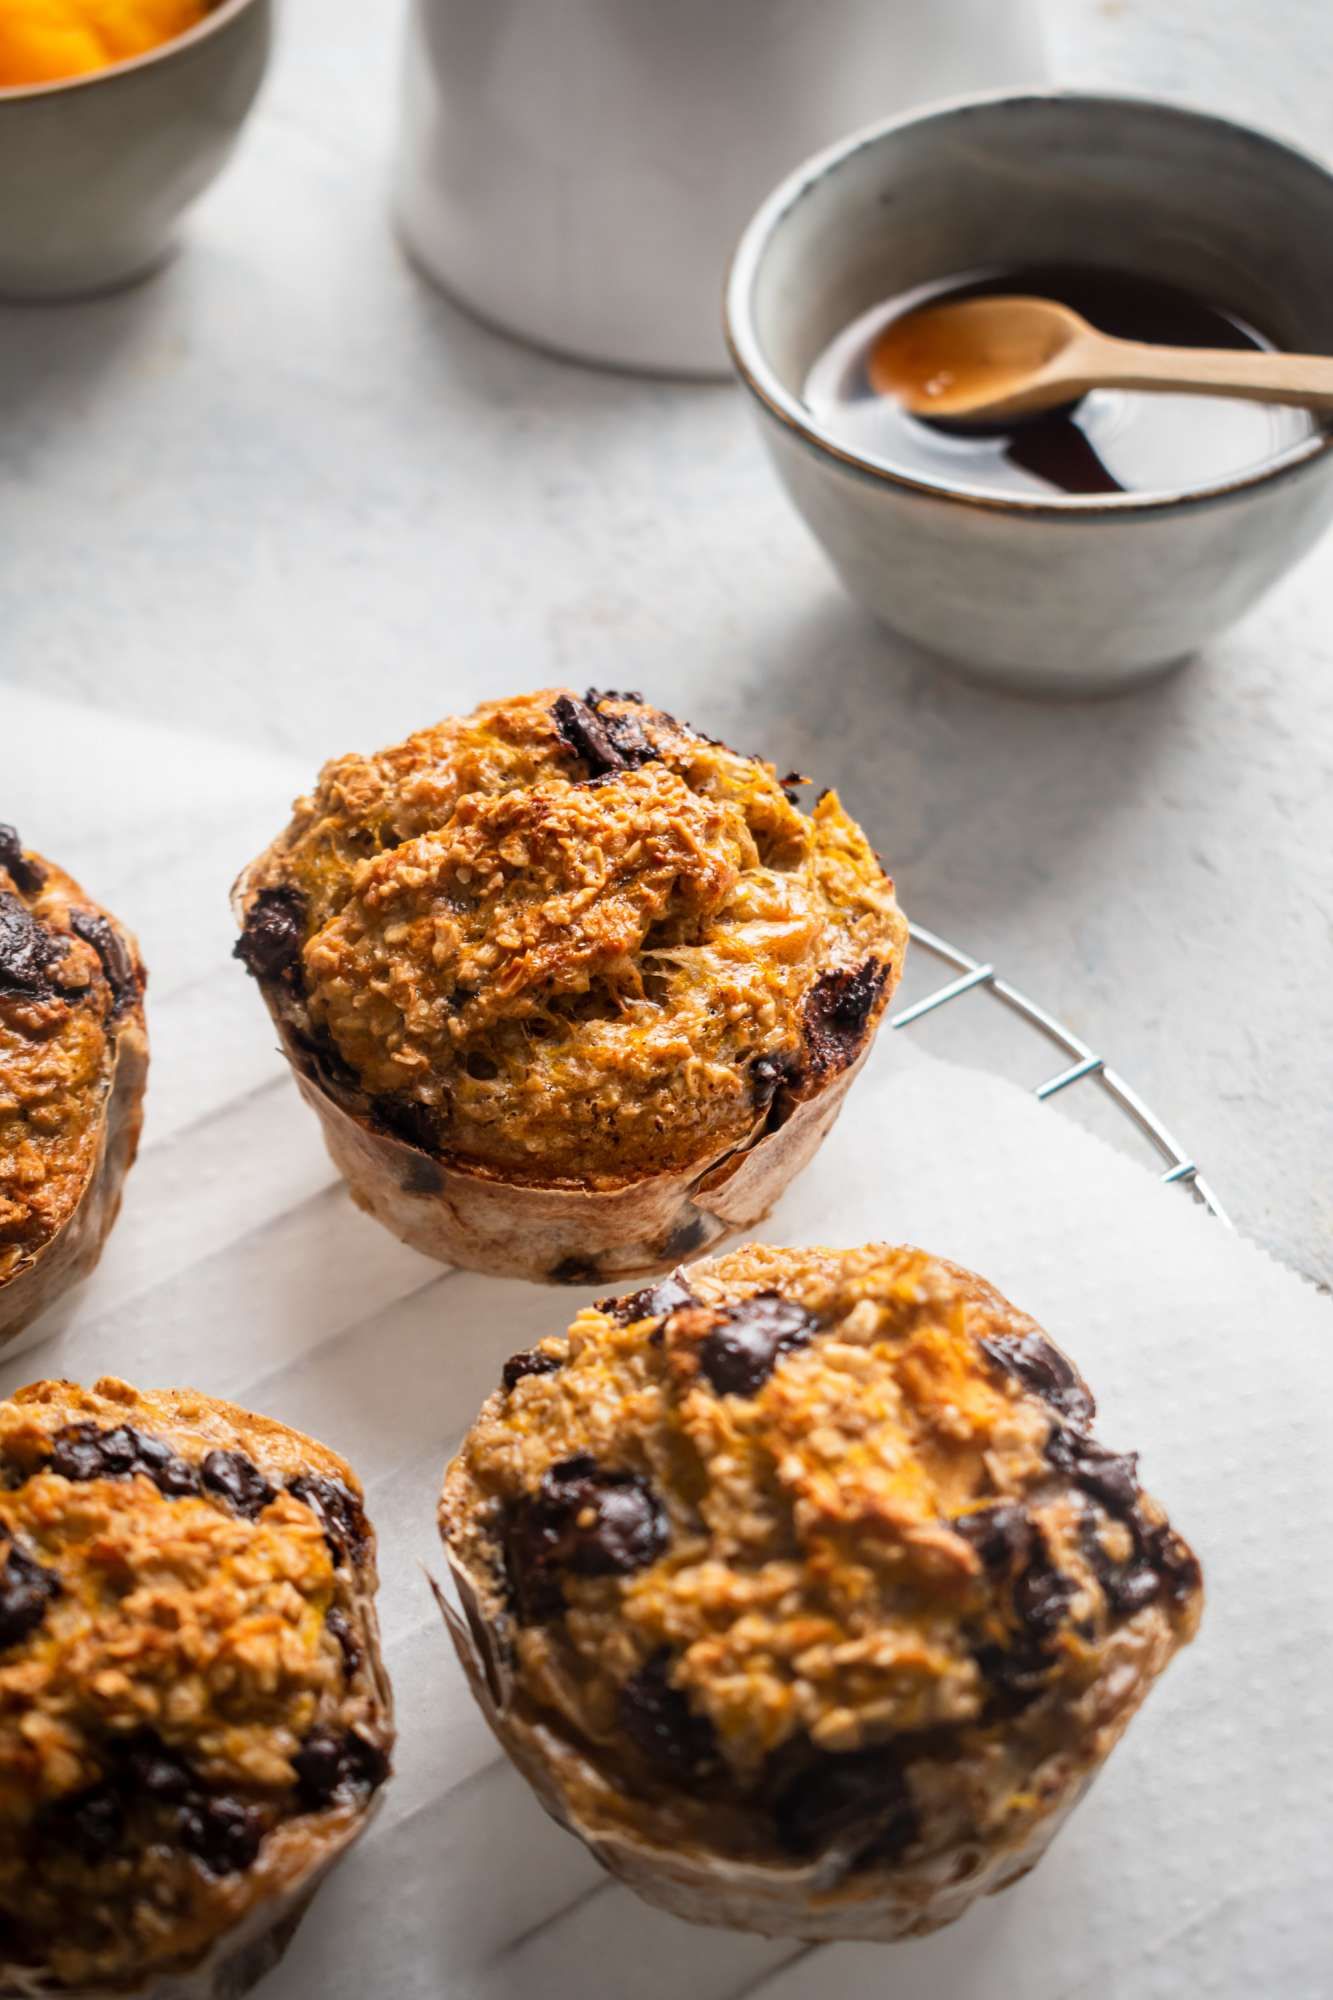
1086	1063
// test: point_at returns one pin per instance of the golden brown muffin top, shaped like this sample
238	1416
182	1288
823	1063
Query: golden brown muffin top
68	976
186	1692
571	939
759	1536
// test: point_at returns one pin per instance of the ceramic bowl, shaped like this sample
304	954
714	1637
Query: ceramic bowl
1071	594
96	170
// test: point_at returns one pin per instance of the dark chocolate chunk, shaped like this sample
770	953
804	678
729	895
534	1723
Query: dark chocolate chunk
1159	1561
24	873
408	1119
27	950
658	1719
740	1354
652	1302
859	1799
318	1765
341	1629
1002	1535
340	1513
92	1823
366	1763
171	1475
583	1520
175	1477
596	696
148	1777
1108	1476
768	1073
773	1078
270	943
1174	1561
84	1451
1131	1587
112	950
325	1061
531	1362
221	1833
1041	1367
237	1480
153	1769
1126	1584
328	1766
583	732
26	1588
606	744
837	1008
1042	1597
1015	1675
1017	1672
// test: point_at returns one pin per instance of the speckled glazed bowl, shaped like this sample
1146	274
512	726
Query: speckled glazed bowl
98	169
1068	594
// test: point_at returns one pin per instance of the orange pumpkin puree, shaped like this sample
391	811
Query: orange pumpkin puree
45	41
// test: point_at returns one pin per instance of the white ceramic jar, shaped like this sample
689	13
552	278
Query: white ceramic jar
578	171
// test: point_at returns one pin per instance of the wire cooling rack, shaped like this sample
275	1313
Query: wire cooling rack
973	975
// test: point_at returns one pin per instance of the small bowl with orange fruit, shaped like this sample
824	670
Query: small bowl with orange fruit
114	116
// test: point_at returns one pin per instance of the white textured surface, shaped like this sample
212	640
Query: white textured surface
286	494
1201	1866
284	501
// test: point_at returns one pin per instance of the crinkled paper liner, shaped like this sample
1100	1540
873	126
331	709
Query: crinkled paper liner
476	1219
815	1901
76	1246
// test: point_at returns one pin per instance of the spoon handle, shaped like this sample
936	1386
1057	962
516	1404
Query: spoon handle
1303	379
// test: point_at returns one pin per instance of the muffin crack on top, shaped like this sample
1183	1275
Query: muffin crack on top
193	1718
799	1586
569	938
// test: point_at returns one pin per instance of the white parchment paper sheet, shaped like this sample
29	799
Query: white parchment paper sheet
1202	1862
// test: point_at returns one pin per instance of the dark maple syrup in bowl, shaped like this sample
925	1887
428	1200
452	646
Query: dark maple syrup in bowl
1110	441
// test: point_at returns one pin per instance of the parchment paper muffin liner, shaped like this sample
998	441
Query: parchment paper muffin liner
474	1217
71	1253
814	1901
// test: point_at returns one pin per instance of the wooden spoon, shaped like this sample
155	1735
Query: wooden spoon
1011	356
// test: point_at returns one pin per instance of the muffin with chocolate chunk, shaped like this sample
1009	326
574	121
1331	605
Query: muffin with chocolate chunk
798	1586
194	1721
573	988
73	1064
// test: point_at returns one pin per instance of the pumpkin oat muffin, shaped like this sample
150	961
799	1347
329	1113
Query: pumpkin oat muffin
798	1587
194	1721
573	988
73	1063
